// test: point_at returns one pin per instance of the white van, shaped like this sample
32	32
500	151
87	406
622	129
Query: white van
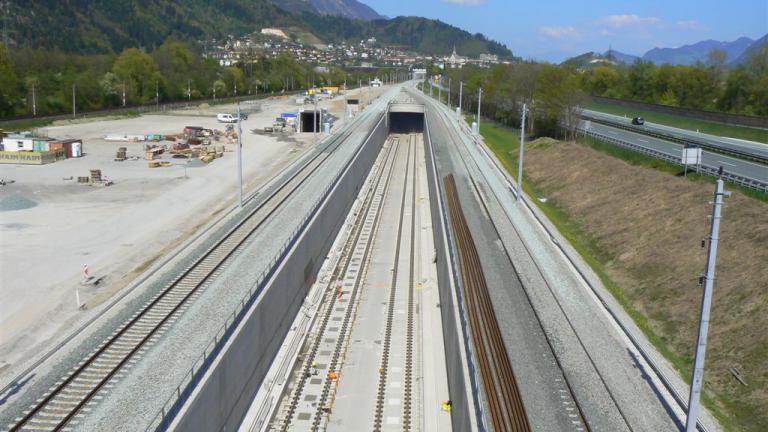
226	118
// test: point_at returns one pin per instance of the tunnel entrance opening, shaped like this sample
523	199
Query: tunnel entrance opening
306	123
406	122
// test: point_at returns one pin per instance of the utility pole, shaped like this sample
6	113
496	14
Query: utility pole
235	87
520	161
449	93
189	89
706	305
479	101
157	93
74	100
461	96
34	101
214	92
123	94
440	90
240	154
314	120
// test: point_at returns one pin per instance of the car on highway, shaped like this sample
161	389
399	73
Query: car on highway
226	118
638	121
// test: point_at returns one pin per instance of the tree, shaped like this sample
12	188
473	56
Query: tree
640	79
9	85
140	71
110	86
601	80
559	98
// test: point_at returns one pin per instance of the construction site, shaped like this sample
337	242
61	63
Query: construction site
76	234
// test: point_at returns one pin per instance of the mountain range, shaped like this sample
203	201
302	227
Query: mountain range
737	51
345	8
103	26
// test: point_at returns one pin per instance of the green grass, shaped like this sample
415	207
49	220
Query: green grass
504	143
22	125
704	126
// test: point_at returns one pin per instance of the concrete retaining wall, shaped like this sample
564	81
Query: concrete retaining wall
225	394
463	415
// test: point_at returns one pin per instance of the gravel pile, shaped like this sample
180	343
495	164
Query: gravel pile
16	202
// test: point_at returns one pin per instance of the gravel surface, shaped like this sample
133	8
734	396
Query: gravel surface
146	387
19	399
586	344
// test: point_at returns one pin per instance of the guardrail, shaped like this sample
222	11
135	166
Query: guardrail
674	159
678	139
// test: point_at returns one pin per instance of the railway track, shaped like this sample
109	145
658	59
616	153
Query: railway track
507	411
397	299
584	419
61	406
325	349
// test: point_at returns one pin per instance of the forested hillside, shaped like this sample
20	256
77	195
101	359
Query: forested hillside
105	26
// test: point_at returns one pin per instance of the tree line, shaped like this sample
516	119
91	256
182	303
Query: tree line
709	85
44	81
554	94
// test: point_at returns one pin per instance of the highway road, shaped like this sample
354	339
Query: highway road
751	149
730	164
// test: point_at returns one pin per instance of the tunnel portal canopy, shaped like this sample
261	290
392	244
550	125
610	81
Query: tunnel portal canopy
406	117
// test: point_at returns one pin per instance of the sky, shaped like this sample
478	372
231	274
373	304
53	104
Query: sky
555	30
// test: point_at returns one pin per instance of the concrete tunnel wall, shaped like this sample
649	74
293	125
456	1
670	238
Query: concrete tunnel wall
459	384
222	399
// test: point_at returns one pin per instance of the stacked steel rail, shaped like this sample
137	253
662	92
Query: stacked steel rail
505	404
68	397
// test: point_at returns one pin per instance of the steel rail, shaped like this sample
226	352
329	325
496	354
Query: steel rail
137	341
277	182
679	399
507	410
378	415
408	367
329	297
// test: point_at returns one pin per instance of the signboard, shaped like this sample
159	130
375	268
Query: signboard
691	155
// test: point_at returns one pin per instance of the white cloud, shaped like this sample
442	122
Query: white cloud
559	32
689	25
627	19
465	2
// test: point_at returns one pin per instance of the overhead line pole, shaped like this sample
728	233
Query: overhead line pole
697	378
461	95
240	154
479	101
520	161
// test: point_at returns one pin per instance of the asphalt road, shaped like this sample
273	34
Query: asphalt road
730	164
756	149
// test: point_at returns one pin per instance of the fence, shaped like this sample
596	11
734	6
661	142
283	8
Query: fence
141	109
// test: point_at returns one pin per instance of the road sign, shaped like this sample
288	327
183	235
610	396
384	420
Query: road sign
691	155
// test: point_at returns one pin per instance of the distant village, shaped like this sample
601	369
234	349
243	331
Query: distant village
273	42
